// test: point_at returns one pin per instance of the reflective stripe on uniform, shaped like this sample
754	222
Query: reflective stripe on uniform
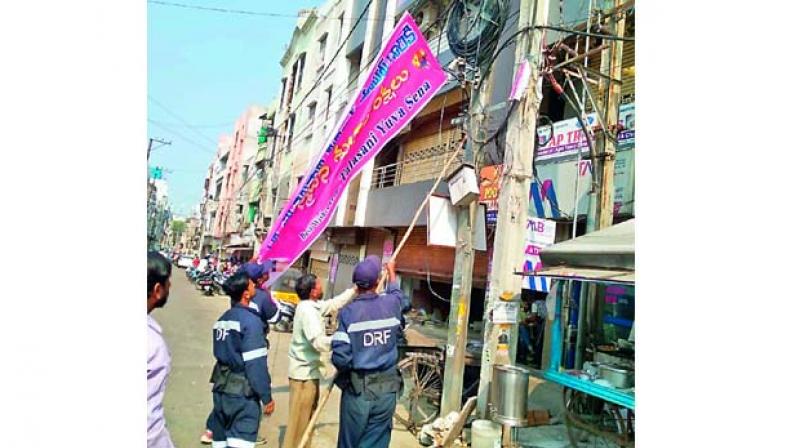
254	306
373	324
228	325
340	336
240	443
219	444
253	354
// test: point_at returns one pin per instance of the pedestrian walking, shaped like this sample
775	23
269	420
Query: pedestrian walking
159	270
266	310
242	386
308	341
365	354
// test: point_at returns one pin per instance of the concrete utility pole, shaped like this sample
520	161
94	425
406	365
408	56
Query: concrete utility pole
513	203
460	296
611	64
150	145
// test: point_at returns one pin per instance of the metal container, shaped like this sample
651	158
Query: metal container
508	400
619	377
485	434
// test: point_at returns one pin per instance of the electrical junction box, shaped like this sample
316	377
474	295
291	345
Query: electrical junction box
463	186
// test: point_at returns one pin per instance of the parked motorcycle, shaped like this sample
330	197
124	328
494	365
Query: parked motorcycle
219	279
205	281
207	285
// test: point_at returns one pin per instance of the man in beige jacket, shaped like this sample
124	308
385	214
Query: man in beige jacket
308	340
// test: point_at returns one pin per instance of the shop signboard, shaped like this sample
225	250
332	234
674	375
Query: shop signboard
490	190
553	195
540	234
403	79
566	137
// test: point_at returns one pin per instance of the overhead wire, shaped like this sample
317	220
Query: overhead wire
198	126
584	33
181	136
181	119
366	66
251	13
500	48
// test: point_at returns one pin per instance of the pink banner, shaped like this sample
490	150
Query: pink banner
402	81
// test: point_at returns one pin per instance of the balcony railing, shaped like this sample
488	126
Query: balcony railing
417	167
386	176
426	164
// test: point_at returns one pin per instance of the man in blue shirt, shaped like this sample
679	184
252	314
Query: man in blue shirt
365	354
242	385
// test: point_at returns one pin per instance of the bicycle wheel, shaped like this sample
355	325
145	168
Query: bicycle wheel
422	390
592	422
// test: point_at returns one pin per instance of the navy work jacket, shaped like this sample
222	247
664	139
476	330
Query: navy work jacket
368	331
239	343
264	307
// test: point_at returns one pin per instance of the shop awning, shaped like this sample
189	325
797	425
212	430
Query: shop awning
606	255
396	206
597	275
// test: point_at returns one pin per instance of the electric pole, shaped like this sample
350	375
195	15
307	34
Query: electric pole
461	293
500	341
610	64
150	145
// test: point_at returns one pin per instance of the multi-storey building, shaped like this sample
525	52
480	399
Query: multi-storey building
317	85
225	208
326	60
159	214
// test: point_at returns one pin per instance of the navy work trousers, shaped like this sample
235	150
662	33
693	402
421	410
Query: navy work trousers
365	422
234	421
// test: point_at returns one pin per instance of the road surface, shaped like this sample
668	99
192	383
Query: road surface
186	322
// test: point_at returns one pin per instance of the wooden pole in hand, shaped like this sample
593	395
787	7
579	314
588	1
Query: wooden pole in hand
327	394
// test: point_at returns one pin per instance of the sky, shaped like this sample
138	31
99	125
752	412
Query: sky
204	68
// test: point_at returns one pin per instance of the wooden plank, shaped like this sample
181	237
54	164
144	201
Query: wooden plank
469	406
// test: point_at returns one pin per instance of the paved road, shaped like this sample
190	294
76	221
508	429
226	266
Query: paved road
186	322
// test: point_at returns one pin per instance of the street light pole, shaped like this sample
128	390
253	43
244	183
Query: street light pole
150	145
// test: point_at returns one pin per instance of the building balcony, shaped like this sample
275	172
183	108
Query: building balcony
421	165
386	176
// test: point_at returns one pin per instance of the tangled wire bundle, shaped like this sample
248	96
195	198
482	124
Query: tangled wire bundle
474	27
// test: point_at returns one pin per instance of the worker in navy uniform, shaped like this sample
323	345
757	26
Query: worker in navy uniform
365	354
242	387
266	310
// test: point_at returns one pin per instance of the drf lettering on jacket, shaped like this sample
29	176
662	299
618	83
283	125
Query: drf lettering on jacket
377	337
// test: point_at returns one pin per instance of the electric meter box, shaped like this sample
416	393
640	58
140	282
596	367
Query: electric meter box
463	186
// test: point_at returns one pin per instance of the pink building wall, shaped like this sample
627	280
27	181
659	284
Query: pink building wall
223	148
243	141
